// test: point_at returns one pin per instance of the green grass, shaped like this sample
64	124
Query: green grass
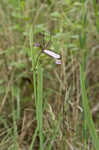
87	113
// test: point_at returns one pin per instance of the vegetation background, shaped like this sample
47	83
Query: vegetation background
45	106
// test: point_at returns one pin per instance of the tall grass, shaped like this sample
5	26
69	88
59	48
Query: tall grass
88	121
96	7
38	92
43	105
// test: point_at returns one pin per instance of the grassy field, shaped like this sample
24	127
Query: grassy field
49	100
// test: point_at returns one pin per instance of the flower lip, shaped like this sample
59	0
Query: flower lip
52	54
58	61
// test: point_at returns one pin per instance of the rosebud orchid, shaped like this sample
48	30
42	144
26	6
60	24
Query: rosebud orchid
56	56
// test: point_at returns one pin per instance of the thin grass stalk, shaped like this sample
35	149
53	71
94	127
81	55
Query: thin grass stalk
33	58
33	139
88	116
18	105
83	48
55	134
39	105
96	6
14	115
88	122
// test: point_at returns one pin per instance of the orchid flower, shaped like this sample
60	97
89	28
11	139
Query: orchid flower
56	56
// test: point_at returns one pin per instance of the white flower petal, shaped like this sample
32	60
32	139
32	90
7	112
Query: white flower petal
52	54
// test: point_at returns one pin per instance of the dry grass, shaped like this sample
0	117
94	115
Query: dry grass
61	86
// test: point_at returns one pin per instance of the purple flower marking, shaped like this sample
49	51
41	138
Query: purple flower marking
37	45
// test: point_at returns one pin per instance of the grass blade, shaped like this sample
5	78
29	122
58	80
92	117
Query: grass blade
88	116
